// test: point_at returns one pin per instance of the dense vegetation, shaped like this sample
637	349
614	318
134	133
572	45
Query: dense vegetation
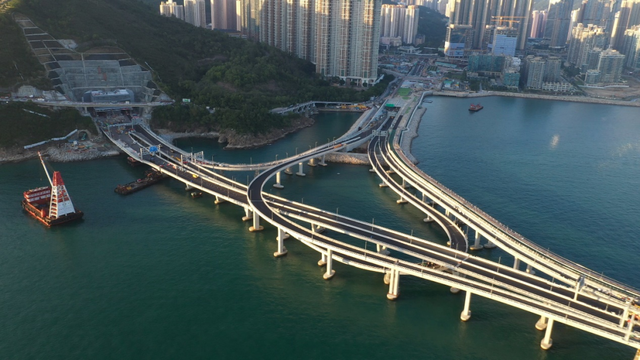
241	79
20	127
434	27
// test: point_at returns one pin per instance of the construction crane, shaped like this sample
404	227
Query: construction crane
508	19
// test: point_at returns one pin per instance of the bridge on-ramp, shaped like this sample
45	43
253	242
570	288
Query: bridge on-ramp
568	294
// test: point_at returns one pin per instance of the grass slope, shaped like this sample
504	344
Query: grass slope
20	127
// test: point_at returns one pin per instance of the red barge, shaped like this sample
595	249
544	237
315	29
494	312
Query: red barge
475	107
51	205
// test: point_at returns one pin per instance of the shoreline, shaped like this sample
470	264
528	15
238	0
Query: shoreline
579	99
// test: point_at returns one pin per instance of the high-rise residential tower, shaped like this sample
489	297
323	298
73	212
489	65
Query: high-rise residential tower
194	12
170	8
558	22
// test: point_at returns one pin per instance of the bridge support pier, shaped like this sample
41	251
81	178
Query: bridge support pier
188	187
637	357
300	170
312	162
405	185
256	223
322	163
382	249
278	185
372	170
402	200
489	245
330	272
466	313
625	316
218	200
282	251
476	245
542	323
383	184
288	171
546	343
394	280
248	214
428	219
386	278
516	263
323	260
530	269
317	229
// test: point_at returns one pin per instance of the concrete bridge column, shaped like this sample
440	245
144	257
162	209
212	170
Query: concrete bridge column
322	163
489	244
219	200
278	185
317	229
637	357
256	223
402	200
624	317
282	251
323	260
516	263
629	329
300	170
542	323
476	245
428	219
393	285
383	184
530	269
382	249
248	214
466	313
288	171
405	185
546	343
188	187
312	162
330	272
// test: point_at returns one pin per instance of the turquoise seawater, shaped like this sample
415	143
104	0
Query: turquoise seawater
158	275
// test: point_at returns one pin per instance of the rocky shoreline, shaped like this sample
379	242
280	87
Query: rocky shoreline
237	141
57	153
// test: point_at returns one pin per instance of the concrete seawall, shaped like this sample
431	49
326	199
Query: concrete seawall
579	99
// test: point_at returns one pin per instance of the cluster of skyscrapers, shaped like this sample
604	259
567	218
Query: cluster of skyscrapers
398	24
482	25
339	36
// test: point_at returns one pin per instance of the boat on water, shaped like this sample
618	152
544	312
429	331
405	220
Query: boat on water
196	194
150	177
51	205
475	107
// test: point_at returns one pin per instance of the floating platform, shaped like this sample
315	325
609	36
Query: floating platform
150	177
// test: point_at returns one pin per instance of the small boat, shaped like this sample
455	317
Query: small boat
475	107
51	205
196	194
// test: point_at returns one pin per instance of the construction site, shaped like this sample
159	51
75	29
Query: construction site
73	73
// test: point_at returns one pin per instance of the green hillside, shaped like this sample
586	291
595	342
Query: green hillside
20	127
242	80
